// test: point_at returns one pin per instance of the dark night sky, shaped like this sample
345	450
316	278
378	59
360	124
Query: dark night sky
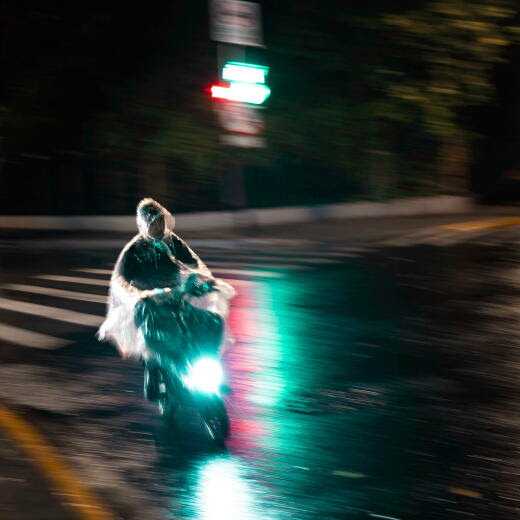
80	57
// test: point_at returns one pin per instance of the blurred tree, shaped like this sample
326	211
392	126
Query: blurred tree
376	89
443	61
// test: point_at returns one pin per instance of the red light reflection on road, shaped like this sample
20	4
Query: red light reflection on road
242	365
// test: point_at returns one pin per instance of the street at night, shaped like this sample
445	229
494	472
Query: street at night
260	260
372	378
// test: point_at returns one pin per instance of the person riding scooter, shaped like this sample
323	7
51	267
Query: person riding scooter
163	298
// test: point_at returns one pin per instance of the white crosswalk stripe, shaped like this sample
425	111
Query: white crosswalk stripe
27	338
73	279
92	270
54	313
238	262
237	265
60	293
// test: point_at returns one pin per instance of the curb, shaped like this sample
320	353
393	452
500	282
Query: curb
243	218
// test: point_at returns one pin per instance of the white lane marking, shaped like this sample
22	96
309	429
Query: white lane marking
54	313
93	270
248	272
73	279
27	338
60	293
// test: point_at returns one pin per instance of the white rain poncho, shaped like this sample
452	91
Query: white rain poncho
150	310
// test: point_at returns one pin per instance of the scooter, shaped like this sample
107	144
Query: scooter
198	384
194	380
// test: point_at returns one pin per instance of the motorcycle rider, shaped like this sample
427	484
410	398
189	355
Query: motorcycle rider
148	314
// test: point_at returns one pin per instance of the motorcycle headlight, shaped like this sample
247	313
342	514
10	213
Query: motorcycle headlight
205	375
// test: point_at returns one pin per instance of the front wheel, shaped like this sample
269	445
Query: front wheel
169	396
215	420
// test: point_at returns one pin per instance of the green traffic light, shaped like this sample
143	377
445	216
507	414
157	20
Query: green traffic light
244	72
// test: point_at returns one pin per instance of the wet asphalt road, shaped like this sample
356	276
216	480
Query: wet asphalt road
382	386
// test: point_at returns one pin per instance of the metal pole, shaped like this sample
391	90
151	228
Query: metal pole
233	189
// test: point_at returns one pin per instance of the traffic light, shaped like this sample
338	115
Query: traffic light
246	83
244	72
242	92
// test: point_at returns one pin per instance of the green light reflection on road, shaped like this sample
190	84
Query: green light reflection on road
223	493
270	384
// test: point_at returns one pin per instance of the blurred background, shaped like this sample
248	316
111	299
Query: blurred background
102	103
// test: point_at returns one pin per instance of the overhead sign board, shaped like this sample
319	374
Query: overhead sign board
238	22
237	118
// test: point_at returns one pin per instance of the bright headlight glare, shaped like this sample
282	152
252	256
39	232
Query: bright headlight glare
205	375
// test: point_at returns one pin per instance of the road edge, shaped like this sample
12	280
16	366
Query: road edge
80	499
441	204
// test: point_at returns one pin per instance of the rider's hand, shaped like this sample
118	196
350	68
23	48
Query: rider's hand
210	285
162	294
199	286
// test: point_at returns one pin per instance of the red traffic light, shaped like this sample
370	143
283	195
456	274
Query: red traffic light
253	93
219	92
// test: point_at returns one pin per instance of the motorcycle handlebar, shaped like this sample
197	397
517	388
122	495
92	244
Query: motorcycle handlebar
195	285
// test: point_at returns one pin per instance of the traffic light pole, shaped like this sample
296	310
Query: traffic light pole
236	25
233	191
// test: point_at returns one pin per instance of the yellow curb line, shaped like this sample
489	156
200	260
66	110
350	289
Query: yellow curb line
483	224
81	500
465	492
